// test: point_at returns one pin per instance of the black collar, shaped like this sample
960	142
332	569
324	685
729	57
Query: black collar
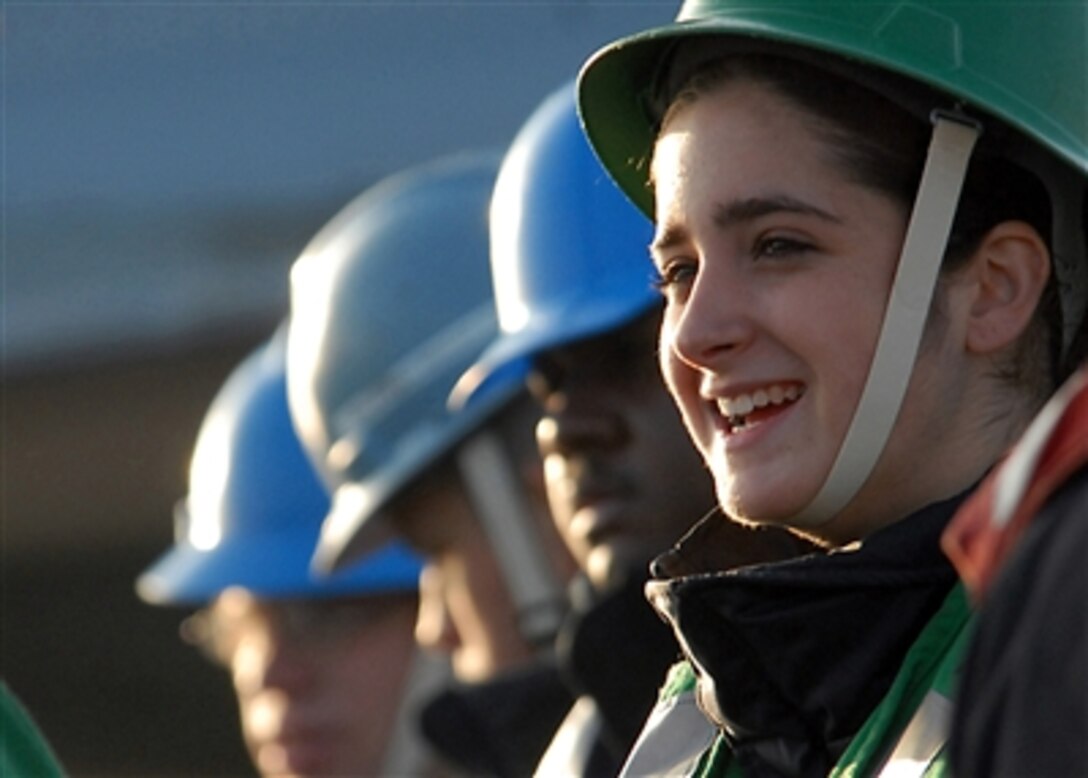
793	656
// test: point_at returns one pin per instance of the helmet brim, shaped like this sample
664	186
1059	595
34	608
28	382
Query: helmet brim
274	566
616	85
357	522
547	330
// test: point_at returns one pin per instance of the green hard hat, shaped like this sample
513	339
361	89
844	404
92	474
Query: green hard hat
1023	62
1016	71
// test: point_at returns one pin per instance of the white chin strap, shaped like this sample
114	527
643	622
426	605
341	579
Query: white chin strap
507	518
904	320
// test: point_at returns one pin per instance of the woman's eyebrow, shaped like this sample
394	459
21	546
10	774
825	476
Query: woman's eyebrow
667	238
740	211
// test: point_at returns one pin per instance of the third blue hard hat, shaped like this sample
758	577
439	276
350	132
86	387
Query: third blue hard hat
255	505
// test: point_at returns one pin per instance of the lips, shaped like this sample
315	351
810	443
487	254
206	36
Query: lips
311	755
741	410
303	745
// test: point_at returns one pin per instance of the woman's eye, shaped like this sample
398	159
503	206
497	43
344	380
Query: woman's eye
674	276
779	247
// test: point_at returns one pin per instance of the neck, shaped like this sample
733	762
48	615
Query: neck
959	458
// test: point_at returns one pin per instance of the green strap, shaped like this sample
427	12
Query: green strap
718	762
681	679
24	753
931	664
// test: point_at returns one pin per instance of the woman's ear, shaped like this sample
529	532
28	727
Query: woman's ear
1009	271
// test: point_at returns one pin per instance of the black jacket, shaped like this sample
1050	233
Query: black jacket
793	656
499	728
615	649
612	647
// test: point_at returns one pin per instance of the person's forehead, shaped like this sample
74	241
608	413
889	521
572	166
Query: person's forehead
431	516
642	329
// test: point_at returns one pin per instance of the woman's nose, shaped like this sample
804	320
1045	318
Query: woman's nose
267	662
711	324
435	630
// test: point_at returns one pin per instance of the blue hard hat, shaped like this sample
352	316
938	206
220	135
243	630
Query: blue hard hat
255	505
569	252
390	303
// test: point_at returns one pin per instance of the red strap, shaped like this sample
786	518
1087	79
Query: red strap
978	540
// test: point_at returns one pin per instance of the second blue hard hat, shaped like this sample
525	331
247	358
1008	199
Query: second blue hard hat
569	252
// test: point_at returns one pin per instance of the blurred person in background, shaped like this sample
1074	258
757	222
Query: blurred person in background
390	302
577	309
325	670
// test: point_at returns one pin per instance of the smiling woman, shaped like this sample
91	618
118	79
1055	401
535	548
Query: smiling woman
869	293
779	238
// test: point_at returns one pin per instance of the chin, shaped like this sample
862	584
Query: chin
764	509
600	570
771	489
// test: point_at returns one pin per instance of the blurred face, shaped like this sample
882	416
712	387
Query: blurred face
465	610
623	480
318	681
776	267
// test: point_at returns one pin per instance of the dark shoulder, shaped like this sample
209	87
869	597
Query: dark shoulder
1023	701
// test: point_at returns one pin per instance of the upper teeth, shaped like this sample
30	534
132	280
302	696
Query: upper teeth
743	404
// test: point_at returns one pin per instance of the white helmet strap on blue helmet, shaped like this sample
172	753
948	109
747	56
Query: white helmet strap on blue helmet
499	501
905	317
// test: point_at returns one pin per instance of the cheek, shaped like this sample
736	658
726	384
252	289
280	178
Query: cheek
833	323
478	596
247	666
557	488
665	357
380	656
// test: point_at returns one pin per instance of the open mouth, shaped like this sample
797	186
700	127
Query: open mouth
745	410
